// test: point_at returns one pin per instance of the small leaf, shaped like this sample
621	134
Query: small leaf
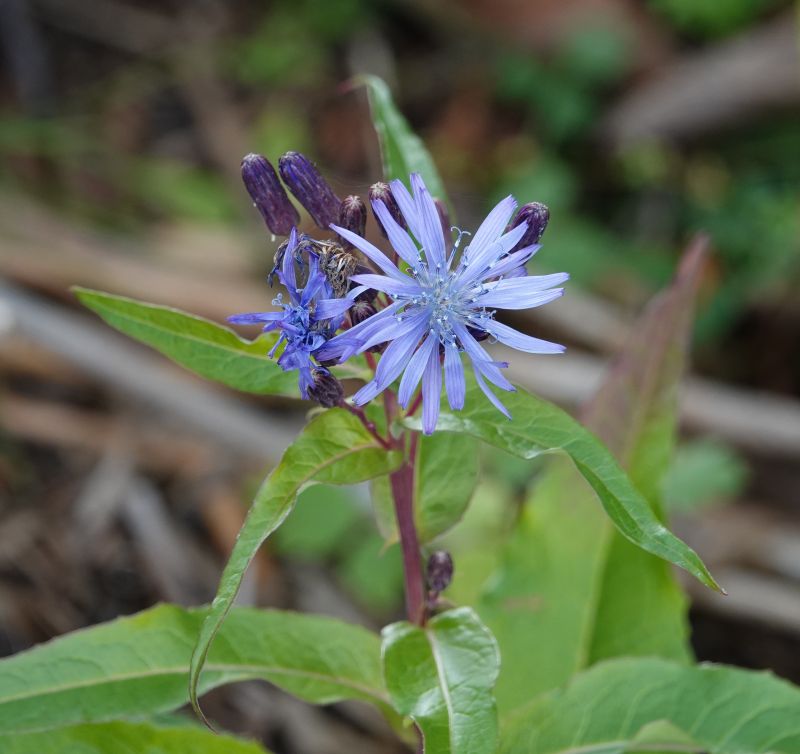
140	665
210	350
335	448
441	676
445	478
540	427
624	705
402	150
131	738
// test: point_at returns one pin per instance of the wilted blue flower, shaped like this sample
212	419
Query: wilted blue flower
440	305
306	322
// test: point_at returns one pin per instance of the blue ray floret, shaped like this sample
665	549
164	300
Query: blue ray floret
306	322
441	305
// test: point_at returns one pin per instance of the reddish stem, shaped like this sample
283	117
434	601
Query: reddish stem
370	361
402	482
415	405
368	424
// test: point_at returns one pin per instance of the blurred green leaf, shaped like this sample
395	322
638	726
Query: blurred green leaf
131	738
210	350
702	473
711	17
334	447
177	189
631	705
571	590
446	475
140	665
373	574
441	676
402	150
320	523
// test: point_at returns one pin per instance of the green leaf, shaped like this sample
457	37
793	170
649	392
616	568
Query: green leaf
140	665
210	350
540	427
335	448
571	590
441	676
621	703
130	738
402	150
445	477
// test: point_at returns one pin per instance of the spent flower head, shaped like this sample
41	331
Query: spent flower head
443	303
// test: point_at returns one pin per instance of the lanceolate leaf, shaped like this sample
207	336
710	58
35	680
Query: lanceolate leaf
442	677
652	702
446	475
210	350
540	427
334	447
131	738
402	150
140	665
571	590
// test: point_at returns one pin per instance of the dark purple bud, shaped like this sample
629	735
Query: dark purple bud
440	571
444	218
261	182
310	188
360	310
326	390
479	335
537	216
383	192
353	216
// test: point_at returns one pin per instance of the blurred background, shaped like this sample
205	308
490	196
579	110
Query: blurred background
123	480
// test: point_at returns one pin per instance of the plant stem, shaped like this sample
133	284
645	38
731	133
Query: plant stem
369	425
402	482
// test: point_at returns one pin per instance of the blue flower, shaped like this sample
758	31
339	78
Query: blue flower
440	307
307	322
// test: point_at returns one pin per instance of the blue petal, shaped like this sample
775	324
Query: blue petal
351	341
371	252
492	227
480	359
478	263
407	287
254	318
517	296
489	394
454	377
288	278
400	240
407	206
415	368
512	261
392	363
431	391
328	308
430	226
515	339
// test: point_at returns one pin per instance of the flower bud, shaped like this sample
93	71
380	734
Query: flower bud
261	182
326	390
310	188
383	192
353	215
440	571
444	219
537	216
360	311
